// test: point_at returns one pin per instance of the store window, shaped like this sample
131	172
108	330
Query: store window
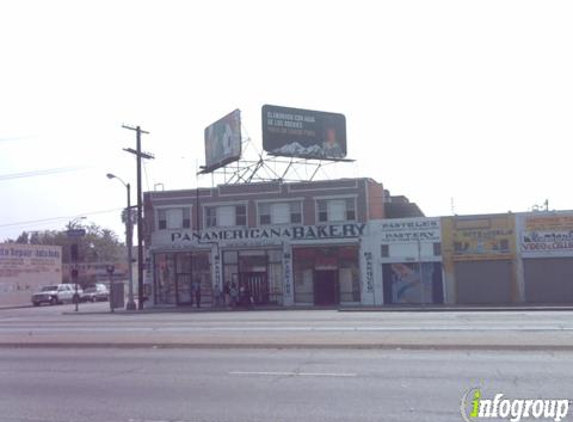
174	273
332	210
174	218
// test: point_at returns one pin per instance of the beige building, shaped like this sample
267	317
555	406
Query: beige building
24	268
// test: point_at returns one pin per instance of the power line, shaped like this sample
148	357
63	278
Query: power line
54	219
44	172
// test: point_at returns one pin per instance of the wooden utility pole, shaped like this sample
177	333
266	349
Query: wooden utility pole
139	155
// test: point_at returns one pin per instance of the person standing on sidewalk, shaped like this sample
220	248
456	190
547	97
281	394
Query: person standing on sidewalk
196	291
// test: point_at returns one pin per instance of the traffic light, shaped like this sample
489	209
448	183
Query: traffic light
74	252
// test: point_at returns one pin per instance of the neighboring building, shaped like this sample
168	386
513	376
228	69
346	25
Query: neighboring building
480	259
24	268
546	248
408	260
301	243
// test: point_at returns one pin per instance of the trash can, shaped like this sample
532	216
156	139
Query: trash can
116	296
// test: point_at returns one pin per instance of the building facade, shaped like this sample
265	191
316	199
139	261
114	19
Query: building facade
25	268
289	244
348	242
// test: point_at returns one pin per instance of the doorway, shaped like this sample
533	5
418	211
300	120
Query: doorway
326	287
257	284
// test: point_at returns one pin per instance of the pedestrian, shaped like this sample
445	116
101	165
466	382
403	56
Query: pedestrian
234	295
196	291
218	296
227	293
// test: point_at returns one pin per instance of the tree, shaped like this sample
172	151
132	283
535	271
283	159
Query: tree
98	245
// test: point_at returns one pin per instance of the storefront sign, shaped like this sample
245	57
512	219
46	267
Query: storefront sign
287	273
547	235
479	238
248	235
547	241
368	257
409	230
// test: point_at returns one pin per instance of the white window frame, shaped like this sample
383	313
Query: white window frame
346	198
165	208
226	204
270	203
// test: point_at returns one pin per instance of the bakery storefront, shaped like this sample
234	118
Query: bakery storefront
282	265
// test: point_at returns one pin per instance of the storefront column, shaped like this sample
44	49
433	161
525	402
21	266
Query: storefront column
288	294
217	269
367	271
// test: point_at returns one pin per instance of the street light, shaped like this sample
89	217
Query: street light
128	224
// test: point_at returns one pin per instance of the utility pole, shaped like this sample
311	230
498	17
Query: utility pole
139	155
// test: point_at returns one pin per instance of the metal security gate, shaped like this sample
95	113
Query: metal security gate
548	280
483	282
257	284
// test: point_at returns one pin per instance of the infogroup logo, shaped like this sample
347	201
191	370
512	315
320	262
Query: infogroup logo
475	407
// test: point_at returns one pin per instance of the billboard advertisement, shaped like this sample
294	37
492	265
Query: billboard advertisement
223	141
293	132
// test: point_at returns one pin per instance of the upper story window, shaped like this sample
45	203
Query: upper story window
280	213
173	218
336	210
226	215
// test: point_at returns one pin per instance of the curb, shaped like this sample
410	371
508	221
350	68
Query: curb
278	346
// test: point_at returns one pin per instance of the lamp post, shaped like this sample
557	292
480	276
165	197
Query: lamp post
128	234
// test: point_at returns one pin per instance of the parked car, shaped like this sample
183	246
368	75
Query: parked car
96	293
56	293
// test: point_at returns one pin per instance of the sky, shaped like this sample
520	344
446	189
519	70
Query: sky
464	107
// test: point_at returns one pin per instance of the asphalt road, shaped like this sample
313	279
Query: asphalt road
136	385
94	326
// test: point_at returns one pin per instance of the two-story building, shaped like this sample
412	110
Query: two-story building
289	243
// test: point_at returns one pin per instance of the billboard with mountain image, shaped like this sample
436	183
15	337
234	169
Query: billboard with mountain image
294	132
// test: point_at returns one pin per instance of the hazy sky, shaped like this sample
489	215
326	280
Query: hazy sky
470	100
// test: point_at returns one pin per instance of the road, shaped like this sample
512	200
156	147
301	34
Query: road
118	385
57	365
94	326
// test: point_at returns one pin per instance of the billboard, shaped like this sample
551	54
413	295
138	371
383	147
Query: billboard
223	141
294	132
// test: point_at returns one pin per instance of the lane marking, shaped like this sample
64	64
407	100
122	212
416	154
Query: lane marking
294	374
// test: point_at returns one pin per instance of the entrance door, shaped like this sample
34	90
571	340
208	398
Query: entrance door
258	285
184	289
326	287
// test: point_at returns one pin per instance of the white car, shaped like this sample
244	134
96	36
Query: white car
56	293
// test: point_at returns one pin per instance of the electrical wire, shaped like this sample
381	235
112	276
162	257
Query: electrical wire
53	219
35	173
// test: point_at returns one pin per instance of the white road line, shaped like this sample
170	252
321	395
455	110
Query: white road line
106	330
294	374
